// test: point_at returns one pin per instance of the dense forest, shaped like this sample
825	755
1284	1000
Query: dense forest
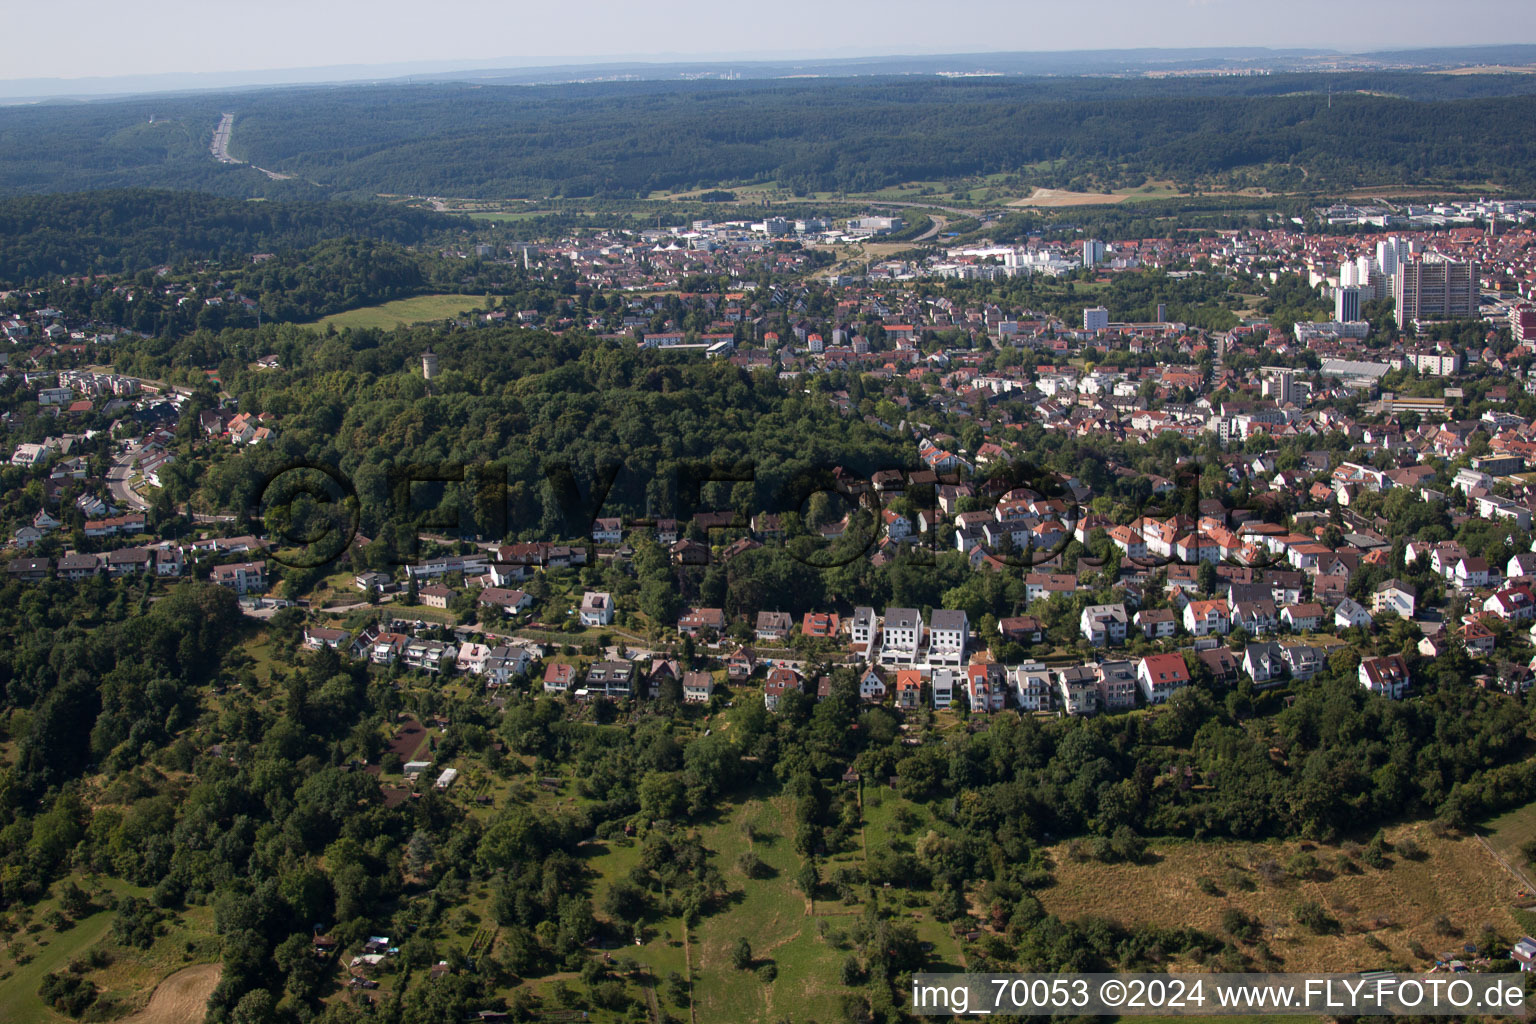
626	140
126	230
514	398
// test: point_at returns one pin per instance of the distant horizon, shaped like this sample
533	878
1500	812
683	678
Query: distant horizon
92	86
302	41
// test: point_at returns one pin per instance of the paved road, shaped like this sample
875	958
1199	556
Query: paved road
959	211
117	482
939	224
220	146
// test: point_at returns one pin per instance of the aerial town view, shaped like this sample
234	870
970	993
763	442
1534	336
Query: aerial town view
667	529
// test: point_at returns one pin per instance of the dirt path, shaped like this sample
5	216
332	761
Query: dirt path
182	998
1499	859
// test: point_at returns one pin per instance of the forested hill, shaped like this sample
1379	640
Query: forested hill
626	139
127	230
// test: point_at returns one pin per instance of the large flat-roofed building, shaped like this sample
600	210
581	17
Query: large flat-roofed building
1434	288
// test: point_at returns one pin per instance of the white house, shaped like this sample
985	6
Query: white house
1351	613
1470	572
942	687
1031	686
1103	624
1387	676
1078	689
596	608
872	686
1160	675
1264	661
1202	618
902	633
862	631
697	687
505	663
947	633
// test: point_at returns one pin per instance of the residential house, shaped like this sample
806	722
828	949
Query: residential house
1524	953
1078	689
1256	617
75	566
377	582
1386	676
1221	663
169	560
863	632
608	531
909	689
697	687
1031	686
385	648
1038	585
947	634
613	679
133	561
596	608
431	656
435	595
1264	662
1021	629
504	664
1512	603
244	578
1302	618
1303	661
1203	618
1478	639
1330	590
1470	572
942	687
1160	675
1115	685
741	664
901	636
689	552
699	620
559	677
1351	613
1103	624
820	625
872	686
779	682
318	637
1156	623
511	602
774	627
984	687
472	658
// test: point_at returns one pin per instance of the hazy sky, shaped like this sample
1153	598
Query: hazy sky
88	38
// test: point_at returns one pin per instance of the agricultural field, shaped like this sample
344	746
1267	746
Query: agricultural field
415	310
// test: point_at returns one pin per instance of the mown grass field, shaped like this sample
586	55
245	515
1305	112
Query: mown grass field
1400	906
402	312
35	949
